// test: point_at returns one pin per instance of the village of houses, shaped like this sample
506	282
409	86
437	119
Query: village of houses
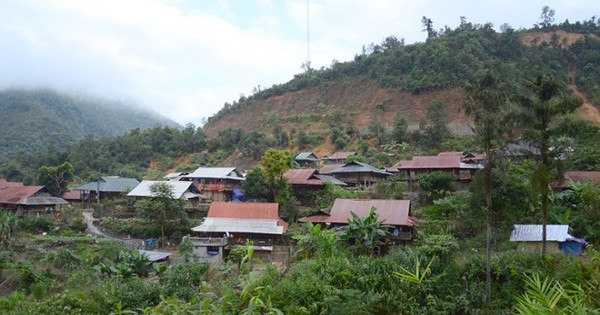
233	221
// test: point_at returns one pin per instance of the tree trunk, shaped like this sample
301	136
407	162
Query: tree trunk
488	245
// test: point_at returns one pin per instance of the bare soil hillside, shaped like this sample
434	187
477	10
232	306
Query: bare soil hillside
359	97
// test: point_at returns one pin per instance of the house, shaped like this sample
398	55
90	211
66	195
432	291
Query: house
231	224
180	190
306	182
412	170
107	187
358	174
216	183
529	238
394	213
338	157
304	159
577	177
30	199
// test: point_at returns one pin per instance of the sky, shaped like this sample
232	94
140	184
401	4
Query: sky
184	59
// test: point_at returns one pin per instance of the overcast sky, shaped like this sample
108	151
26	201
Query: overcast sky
185	58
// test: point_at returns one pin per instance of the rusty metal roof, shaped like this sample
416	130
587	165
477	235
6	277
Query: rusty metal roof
432	162
16	193
303	177
246	210
391	212
326	169
533	233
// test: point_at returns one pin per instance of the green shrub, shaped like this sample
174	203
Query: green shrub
183	281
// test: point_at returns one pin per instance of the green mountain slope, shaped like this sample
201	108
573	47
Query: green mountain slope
31	119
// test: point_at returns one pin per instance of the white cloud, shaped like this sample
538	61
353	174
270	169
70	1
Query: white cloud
186	58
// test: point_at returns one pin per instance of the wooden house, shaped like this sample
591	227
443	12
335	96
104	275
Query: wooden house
358	174
394	213
306	159
16	196
107	187
231	224
216	183
412	170
306	182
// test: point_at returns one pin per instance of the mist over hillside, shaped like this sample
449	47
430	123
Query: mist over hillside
33	118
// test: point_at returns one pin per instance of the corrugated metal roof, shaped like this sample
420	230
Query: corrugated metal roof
432	162
216	172
15	193
330	179
306	156
246	210
533	233
110	184
359	167
392	212
234	225
143	189
154	255
44	201
326	169
302	177
72	195
340	155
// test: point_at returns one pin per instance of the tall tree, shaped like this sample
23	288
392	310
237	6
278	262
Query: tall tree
56	178
274	164
162	207
487	104
543	104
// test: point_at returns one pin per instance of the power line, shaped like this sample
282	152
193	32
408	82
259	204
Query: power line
307	34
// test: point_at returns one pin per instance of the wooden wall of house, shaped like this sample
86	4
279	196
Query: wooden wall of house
536	247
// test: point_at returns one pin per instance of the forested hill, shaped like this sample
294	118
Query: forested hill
393	77
31	119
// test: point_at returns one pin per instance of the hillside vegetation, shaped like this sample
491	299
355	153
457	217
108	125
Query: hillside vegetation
31	119
393	77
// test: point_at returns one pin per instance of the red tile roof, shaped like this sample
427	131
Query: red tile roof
326	169
302	177
432	162
246	210
392	212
